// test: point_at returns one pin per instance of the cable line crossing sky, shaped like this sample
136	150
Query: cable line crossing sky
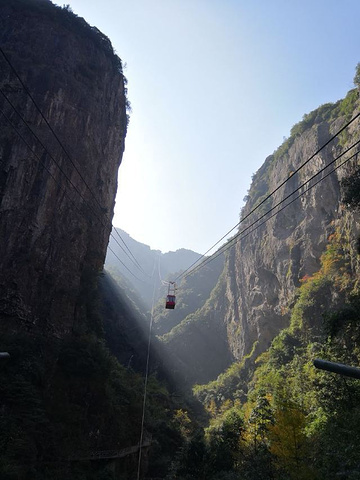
215	87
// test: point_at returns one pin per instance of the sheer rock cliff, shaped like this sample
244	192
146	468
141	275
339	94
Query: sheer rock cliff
266	267
56	201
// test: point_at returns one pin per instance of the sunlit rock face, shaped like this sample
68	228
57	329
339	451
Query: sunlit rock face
56	204
253	299
265	268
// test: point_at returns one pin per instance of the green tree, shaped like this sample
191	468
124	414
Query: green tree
357	76
261	417
224	442
289	443
191	462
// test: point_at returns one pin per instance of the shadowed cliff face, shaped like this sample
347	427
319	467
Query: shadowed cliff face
55	225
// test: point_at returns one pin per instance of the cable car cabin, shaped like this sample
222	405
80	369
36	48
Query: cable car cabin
170	302
171	298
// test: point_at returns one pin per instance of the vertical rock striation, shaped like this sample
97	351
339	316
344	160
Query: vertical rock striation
266	267
56	202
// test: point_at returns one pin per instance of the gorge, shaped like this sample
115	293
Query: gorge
227	388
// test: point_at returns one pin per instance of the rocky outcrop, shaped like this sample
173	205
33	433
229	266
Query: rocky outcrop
56	201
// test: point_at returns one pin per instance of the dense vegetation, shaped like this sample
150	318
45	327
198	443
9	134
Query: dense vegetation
63	399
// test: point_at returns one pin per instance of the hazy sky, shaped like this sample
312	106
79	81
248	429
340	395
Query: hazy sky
215	86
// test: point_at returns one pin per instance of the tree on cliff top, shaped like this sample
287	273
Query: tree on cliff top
357	76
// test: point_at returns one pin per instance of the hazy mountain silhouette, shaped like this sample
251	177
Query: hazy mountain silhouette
155	266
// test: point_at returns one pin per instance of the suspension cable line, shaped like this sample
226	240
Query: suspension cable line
146	374
272	193
119	259
105	225
37	156
60	169
235	239
47	123
64	189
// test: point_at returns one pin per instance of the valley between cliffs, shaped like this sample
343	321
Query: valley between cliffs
226	388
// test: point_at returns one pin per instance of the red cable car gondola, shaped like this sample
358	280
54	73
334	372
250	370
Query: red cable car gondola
171	298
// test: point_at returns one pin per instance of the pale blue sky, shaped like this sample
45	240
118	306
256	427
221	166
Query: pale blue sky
214	86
